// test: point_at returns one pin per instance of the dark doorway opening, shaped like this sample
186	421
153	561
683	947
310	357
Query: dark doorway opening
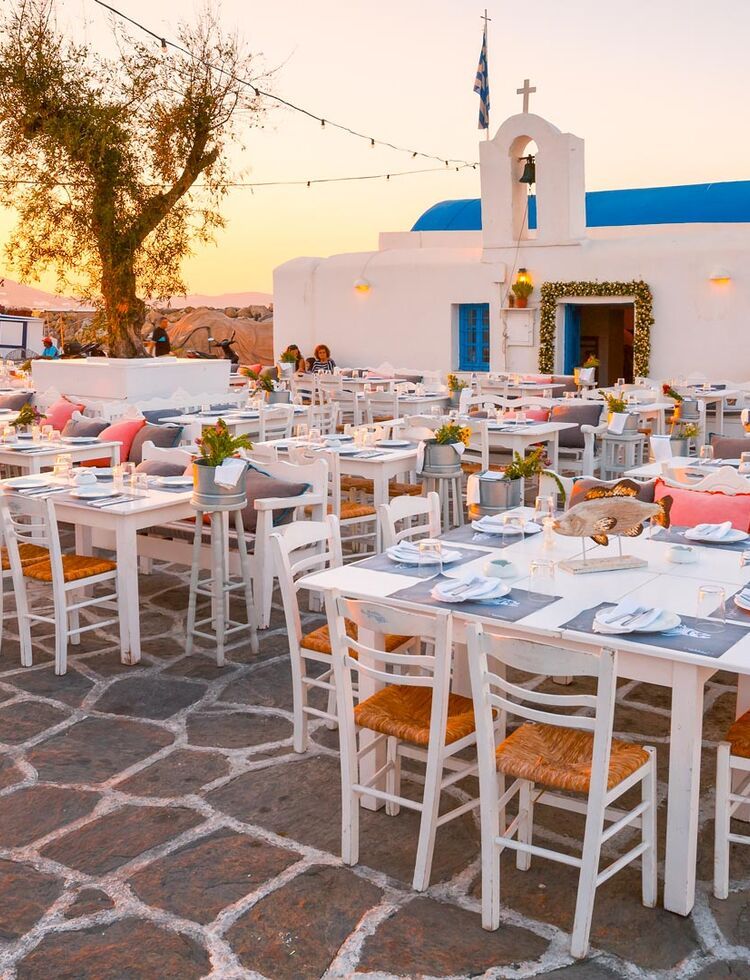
604	330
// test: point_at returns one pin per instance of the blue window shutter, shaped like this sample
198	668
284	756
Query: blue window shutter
474	337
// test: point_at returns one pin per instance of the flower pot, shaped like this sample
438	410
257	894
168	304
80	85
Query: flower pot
440	458
278	397
680	447
499	494
455	399
522	302
208	494
286	369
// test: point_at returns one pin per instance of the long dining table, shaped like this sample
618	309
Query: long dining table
682	663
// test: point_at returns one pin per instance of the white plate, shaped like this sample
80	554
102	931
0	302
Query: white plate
103	471
393	443
500	530
667	621
93	493
501	589
346	450
731	537
174	481
79	439
742	603
448	558
27	482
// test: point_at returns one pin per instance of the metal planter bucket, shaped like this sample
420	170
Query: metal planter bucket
499	494
279	397
689	409
680	447
455	399
440	458
209	495
286	369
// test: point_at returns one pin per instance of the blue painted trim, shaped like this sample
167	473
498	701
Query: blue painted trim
474	337
726	202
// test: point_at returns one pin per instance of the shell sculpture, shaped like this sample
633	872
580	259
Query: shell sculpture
614	510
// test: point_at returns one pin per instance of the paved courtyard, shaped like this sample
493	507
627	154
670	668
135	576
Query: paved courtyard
154	823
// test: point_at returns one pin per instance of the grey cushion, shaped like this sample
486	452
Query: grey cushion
157	467
14	401
581	414
162	436
565	379
725	448
259	485
85	427
581	488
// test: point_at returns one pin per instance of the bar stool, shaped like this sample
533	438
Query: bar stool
447	485
621	452
220	584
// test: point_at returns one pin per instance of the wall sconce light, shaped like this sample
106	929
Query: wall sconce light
523	276
721	276
362	285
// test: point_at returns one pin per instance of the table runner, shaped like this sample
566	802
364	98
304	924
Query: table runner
466	534
517	604
676	535
382	563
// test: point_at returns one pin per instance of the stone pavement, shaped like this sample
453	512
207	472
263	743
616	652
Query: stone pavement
155	823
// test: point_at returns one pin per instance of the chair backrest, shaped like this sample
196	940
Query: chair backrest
423	424
550	483
305	456
406	509
27	520
478	450
276	422
315	474
486	400
402	669
380	405
304	386
181	455
299	549
324	417
261	454
495	697
724	480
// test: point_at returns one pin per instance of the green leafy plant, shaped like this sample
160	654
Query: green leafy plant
615	403
288	357
259	382
217	444
524	467
522	289
27	415
451	433
689	431
455	383
591	361
669	391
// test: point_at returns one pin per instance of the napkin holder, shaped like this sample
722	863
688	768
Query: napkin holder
681	554
500	568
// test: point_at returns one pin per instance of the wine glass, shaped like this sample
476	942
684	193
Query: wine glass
430	558
706	453
711	608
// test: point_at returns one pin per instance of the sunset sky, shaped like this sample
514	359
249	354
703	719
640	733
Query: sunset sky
655	88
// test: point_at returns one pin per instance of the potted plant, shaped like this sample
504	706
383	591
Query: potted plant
680	438
216	444
267	386
669	392
592	361
439	452
27	416
455	387
505	493
522	291
287	363
616	405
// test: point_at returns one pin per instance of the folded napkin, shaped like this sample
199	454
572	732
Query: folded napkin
625	617
710	532
495	524
409	553
230	472
474	587
472	490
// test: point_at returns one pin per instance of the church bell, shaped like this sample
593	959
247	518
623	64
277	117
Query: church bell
529	171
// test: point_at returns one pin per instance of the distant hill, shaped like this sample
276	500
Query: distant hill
222	301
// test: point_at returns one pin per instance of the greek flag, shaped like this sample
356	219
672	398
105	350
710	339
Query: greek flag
482	85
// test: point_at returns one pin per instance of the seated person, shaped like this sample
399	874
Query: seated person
50	349
322	360
300	364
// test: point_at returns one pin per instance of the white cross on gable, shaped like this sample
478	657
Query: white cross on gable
526	91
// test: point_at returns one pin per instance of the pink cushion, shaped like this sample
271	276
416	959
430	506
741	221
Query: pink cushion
255	368
691	507
60	413
122	431
538	414
540	379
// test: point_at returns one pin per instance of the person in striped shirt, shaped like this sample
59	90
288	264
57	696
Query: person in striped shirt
322	360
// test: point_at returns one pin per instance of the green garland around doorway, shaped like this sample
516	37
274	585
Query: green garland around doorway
644	317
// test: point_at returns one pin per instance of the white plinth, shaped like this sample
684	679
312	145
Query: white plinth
132	380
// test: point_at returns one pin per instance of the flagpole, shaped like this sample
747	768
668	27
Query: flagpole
486	20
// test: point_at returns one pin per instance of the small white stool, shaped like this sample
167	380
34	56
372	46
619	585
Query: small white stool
447	485
621	453
219	584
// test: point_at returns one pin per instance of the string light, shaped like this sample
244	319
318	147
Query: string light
260	93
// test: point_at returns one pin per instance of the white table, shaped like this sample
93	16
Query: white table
684	673
238	421
517	438
714	396
359	384
421	404
677	465
43	457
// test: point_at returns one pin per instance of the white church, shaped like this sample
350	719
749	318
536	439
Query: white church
653	281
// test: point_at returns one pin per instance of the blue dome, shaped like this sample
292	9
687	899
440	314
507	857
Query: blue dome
726	202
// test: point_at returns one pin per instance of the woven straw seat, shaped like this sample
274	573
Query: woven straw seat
357	483
320	639
28	553
738	736
74	567
561	757
405	713
350	509
397	489
472	468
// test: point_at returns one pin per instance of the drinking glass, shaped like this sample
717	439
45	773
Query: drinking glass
48	432
206	408
302	431
141	481
512	529
706	453
315	436
711	608
128	472
744	462
9	434
544	506
521	416
63	466
36	433
348	429
118	482
620	383
541	578
435	410
431	558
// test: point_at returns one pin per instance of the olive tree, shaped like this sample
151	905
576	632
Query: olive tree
115	165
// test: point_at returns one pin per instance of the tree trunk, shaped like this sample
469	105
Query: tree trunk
125	313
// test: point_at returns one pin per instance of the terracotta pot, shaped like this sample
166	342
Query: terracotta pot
522	302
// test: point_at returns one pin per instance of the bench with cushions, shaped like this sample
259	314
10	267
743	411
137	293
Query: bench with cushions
130	433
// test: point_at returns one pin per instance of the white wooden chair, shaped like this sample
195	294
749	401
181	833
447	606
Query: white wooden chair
380	406
29	529
275	422
552	754
413	713
397	519
585	461
732	764
725	479
300	549
179	455
550	487
325	418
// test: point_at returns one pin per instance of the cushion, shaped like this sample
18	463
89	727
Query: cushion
162	436
691	507
260	484
84	427
255	368
581	488
538	414
123	431
565	379
581	414
729	448
14	401
60	413
159	467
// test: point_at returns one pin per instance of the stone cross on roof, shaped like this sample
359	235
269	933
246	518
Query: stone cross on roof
526	91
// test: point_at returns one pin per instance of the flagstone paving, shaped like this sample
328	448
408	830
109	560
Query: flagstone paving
156	823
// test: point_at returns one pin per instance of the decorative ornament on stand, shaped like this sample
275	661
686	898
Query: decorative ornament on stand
553	292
